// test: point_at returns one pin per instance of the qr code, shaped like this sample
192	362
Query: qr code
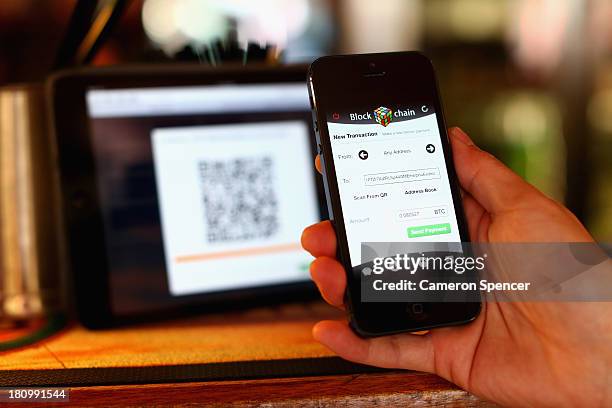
240	200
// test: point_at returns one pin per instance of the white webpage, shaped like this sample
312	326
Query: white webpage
234	199
392	179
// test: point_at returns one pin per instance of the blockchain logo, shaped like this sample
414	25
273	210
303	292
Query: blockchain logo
383	116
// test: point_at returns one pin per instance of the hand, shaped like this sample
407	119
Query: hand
516	354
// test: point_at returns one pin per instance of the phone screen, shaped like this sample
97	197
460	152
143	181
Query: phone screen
392	175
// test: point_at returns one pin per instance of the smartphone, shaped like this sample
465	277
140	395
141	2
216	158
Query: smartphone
384	150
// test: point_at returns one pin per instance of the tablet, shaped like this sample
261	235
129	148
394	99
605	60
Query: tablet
184	189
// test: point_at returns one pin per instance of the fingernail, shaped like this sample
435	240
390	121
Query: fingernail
462	136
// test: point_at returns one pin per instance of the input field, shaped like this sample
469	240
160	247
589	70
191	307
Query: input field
423	213
403	176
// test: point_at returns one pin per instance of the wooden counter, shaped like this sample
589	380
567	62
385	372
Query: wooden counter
264	356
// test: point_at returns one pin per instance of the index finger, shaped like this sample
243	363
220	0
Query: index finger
320	239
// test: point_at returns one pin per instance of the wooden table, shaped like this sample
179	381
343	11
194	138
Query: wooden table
393	389
238	339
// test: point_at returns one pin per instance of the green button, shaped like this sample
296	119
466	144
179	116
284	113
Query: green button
426	230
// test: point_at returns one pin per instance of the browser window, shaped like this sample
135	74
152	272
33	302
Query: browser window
232	203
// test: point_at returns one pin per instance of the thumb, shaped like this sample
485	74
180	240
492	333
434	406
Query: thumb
407	351
489	181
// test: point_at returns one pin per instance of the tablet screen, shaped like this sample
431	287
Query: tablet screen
202	189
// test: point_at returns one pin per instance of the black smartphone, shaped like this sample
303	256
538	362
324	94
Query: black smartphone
388	174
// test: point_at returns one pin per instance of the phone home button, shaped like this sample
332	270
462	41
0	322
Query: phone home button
416	312
417	308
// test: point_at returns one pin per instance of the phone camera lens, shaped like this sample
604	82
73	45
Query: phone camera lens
372	65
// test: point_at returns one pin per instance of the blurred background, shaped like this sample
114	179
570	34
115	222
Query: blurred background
530	80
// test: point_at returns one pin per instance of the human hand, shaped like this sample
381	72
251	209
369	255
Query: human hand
516	354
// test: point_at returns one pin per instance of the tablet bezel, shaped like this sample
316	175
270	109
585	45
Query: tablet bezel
85	235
